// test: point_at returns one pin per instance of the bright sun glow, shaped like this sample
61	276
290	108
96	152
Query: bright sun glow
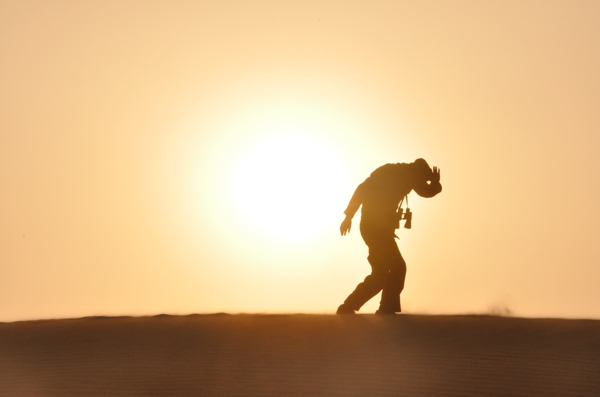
290	185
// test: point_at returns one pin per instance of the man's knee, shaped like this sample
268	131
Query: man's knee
377	276
398	265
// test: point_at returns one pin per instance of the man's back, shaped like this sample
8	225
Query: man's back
382	192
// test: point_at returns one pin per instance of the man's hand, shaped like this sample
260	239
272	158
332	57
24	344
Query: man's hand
435	176
346	226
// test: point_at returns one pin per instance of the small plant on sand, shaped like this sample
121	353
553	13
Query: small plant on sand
499	309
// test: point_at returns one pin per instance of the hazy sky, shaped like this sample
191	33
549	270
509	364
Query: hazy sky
146	149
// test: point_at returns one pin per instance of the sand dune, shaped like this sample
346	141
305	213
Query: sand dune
300	355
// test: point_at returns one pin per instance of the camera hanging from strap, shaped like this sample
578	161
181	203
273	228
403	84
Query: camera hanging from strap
406	216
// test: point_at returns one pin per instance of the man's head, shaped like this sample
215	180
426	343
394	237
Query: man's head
421	170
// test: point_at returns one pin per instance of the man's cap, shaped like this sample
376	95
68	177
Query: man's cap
422	168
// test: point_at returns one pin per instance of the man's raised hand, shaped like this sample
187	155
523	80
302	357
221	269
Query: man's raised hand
435	176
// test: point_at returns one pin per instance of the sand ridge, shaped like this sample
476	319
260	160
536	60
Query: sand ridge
300	355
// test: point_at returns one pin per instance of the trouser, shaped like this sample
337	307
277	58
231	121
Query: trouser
388	270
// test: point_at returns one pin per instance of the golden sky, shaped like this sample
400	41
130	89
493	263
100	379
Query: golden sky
146	150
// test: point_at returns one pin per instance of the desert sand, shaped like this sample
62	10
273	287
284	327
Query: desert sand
300	355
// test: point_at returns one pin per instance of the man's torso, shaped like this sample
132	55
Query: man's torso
384	190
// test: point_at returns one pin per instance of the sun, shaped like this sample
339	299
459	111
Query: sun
290	185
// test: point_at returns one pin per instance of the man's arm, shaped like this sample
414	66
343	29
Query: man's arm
353	205
432	188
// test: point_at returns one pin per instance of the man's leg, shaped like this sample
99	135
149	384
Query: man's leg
370	287
378	243
394	282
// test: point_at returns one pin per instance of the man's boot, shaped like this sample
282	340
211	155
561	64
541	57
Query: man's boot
344	309
385	310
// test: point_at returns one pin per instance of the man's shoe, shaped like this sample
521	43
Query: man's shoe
343	309
385	311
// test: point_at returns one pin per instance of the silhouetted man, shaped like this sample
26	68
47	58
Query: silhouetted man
380	195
